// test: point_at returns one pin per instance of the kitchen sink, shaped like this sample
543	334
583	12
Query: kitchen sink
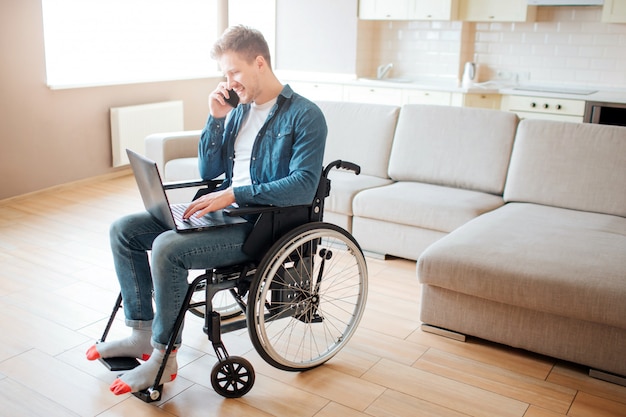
557	90
387	80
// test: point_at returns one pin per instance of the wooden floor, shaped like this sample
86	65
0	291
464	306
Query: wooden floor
57	288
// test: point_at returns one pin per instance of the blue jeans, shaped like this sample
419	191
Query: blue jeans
173	254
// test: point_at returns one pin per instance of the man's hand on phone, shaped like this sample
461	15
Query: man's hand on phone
222	101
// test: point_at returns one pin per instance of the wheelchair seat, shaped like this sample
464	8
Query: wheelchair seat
302	294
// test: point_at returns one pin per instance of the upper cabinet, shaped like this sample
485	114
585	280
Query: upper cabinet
433	9
408	9
614	11
384	9
496	11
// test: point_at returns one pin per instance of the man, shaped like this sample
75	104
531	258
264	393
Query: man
270	149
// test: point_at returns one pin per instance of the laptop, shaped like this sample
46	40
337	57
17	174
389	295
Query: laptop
156	203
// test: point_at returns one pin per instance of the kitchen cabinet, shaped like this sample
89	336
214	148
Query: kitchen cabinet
531	107
614	11
318	91
397	96
408	9
496	11
384	9
411	96
368	94
483	101
433	9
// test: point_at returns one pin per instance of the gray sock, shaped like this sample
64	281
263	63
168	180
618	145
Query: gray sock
144	375
137	345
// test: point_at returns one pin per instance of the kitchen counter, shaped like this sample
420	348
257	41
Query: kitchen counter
573	93
601	94
425	84
593	93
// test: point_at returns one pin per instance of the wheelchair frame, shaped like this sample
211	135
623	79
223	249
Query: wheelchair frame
282	283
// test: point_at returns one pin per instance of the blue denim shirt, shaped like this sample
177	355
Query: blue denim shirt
287	156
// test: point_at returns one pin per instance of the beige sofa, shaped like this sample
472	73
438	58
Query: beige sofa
518	228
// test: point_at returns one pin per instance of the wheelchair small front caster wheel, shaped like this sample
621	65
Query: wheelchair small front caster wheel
232	377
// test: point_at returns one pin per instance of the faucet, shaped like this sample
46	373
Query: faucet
383	70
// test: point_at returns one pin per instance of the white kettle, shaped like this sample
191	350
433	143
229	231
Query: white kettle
469	74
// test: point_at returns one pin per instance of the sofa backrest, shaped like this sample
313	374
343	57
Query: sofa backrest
458	147
576	166
361	133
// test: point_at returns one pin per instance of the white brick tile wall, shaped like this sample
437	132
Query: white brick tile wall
564	45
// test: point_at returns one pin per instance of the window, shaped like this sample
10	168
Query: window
101	42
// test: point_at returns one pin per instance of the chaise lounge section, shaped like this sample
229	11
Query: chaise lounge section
547	271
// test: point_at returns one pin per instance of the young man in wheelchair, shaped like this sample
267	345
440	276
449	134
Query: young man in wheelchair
270	148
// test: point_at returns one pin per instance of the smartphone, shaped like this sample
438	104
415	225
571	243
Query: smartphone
233	98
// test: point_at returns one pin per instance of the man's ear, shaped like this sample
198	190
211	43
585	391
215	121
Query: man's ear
260	62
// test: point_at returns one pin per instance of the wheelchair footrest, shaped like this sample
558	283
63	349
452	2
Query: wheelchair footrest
150	395
120	363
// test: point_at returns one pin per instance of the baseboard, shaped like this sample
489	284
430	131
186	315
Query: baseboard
118	173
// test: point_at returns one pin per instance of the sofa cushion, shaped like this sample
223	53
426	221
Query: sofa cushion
345	185
571	165
457	147
424	205
182	169
378	237
361	133
558	261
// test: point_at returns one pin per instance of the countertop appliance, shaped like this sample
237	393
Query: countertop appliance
565	2
605	113
469	75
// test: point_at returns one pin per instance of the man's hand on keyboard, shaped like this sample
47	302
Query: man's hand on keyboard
210	202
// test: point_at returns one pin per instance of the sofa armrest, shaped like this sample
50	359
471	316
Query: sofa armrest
163	147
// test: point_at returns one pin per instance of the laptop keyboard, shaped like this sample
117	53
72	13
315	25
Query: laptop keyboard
179	209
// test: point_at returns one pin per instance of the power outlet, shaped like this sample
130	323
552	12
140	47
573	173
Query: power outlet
517	77
505	75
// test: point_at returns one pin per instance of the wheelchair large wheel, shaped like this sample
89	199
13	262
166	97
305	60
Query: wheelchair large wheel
307	297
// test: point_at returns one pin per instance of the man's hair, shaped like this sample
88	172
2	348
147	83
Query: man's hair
247	42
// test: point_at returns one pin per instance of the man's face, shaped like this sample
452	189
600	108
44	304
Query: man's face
241	76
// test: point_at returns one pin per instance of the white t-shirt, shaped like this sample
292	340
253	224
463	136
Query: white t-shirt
245	141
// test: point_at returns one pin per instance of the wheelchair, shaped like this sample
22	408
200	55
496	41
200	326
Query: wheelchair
301	300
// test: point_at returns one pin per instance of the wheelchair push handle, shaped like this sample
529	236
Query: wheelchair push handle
339	164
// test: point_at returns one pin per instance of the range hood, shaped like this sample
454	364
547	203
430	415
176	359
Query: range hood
565	2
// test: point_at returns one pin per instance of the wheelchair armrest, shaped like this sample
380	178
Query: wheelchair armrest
172	185
271	223
248	210
211	185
